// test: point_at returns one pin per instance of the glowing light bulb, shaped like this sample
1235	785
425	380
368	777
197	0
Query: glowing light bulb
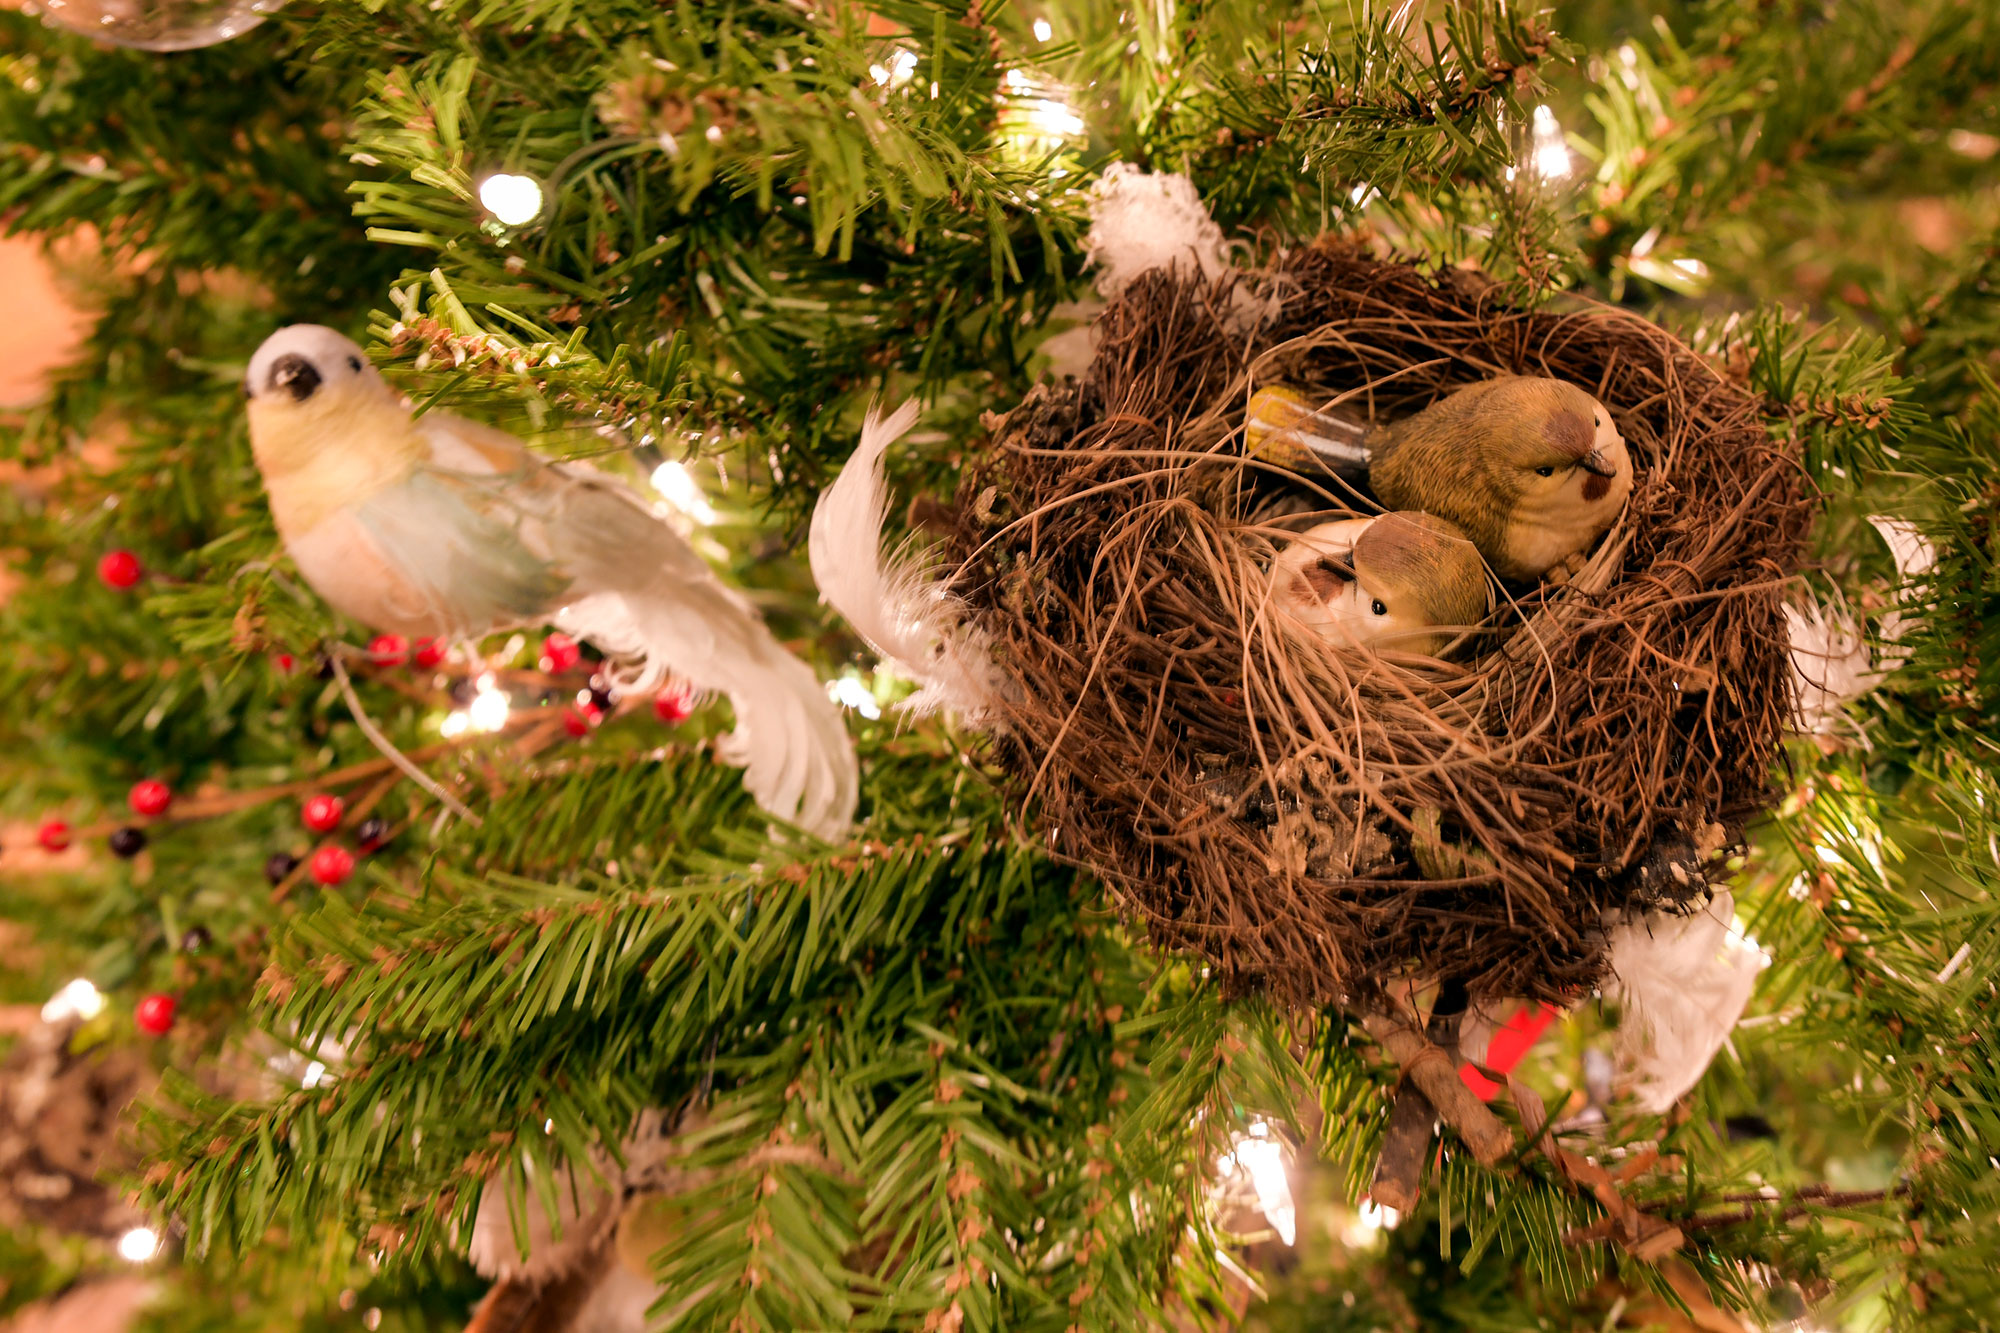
850	691
139	1245
679	488
489	707
897	72
512	199
78	999
454	724
1551	154
1043	30
1262	1158
315	1075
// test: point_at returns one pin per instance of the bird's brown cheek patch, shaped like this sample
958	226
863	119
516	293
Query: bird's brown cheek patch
1595	488
1318	583
1570	433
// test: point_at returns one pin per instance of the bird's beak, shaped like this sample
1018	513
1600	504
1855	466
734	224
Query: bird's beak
296	376
1597	464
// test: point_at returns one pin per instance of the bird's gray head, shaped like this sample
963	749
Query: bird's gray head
307	363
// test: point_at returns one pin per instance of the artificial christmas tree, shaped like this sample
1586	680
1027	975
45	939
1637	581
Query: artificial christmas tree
927	1070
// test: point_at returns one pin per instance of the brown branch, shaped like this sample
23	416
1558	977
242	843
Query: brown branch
1399	1171
1436	1076
1802	1202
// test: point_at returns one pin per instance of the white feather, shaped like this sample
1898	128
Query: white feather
1682	982
1143	220
896	604
1833	665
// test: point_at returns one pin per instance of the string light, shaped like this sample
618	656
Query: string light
78	999
679	488
489	707
512	199
1550	158
850	691
897	72
1262	1158
1043	30
1370	1221
139	1245
315	1075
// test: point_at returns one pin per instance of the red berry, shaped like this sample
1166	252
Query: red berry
430	652
322	812
54	834
149	796
673	705
387	650
330	865
560	653
579	720
155	1014
120	569
285	662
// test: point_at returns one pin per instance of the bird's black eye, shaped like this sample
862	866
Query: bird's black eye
354	364
1545	472
1597	421
1377	607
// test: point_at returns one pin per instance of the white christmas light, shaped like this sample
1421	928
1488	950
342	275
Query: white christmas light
489	707
1370	1221
1262	1158
454	724
1043	30
1054	119
1551	153
512	199
315	1075
897	72
674	482
850	691
139	1245
78	999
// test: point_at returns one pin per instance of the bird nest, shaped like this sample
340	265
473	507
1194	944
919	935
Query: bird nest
1324	822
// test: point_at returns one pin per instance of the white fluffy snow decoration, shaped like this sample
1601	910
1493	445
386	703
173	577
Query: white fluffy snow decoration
894	602
1143	220
1682	982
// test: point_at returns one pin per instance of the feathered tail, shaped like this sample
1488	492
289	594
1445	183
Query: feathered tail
654	604
1683	982
895	605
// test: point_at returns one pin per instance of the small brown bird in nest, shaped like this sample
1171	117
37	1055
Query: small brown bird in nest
1533	470
1394	580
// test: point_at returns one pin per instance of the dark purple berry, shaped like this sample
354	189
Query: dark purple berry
372	833
127	843
280	865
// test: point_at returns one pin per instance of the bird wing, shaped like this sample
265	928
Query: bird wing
579	549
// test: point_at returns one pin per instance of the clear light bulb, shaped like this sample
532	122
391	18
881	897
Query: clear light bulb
1043	30
489	707
78	999
139	1245
512	199
679	488
1551	152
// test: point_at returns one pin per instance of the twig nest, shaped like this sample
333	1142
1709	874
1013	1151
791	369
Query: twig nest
1324	813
